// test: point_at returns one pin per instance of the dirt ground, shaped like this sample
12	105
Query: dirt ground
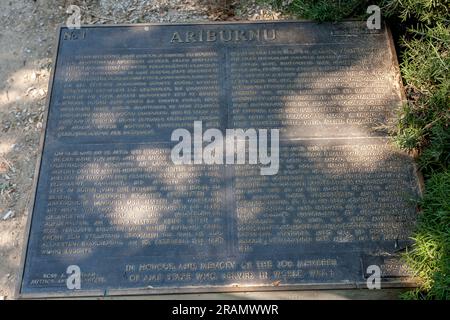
27	40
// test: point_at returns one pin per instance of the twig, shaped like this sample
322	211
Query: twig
11	167
100	17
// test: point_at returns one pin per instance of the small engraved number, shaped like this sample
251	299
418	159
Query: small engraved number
74	35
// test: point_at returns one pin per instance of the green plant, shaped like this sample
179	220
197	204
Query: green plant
423	11
324	10
430	255
423	123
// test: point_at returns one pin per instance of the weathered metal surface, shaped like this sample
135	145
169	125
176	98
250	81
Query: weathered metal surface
109	200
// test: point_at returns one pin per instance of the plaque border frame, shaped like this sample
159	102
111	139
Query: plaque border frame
387	283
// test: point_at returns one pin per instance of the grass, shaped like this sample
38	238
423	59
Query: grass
324	10
423	125
430	256
423	122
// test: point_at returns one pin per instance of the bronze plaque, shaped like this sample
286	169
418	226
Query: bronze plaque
112	213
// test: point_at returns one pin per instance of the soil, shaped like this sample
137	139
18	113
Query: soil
27	40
